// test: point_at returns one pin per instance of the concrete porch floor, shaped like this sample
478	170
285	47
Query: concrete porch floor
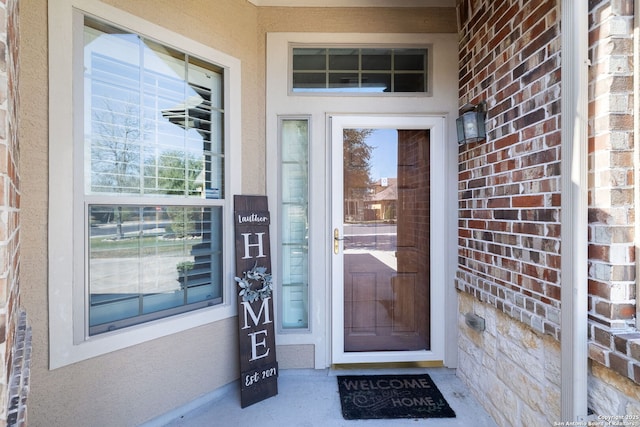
309	398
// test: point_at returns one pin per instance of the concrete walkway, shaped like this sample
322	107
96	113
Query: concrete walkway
309	398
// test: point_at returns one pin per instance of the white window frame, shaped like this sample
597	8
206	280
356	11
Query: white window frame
67	298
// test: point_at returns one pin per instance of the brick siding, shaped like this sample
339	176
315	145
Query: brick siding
509	185
614	341
15	335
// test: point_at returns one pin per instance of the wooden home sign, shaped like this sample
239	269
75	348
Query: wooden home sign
258	365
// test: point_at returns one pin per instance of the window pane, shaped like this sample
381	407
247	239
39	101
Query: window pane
409	83
294	140
154	118
410	59
376	59
149	259
206	135
343	59
309	80
206	80
309	59
377	82
344	80
112	97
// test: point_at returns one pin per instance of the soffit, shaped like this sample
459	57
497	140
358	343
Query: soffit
356	3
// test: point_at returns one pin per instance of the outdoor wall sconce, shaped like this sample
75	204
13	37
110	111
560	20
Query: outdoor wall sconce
470	124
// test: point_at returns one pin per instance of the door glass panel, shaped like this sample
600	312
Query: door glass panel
386	240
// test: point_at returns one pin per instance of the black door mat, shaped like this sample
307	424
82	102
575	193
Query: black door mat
365	397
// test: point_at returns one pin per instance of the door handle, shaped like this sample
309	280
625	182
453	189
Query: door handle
336	241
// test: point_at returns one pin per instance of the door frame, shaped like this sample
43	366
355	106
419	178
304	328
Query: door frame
311	347
436	124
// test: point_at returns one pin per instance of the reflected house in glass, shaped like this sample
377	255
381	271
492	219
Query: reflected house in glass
188	114
381	205
195	113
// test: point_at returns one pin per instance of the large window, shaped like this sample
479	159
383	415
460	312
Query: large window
152	128
141	169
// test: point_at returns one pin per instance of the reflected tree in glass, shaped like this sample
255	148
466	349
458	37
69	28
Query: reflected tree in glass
357	171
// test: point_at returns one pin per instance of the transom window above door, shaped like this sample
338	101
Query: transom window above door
360	70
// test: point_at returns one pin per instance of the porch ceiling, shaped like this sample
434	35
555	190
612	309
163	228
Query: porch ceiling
356	3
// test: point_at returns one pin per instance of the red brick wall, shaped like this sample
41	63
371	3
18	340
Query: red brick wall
615	342
15	336
414	191
509	185
509	200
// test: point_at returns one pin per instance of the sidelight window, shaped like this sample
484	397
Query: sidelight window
294	182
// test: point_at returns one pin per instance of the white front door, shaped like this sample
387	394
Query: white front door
387	230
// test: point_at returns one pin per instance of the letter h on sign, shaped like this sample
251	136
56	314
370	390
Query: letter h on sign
248	246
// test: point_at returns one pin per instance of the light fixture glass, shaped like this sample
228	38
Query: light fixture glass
470	125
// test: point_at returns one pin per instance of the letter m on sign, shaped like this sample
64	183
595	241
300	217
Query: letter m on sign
248	312
256	335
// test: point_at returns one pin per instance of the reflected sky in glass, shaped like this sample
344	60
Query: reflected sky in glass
384	158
